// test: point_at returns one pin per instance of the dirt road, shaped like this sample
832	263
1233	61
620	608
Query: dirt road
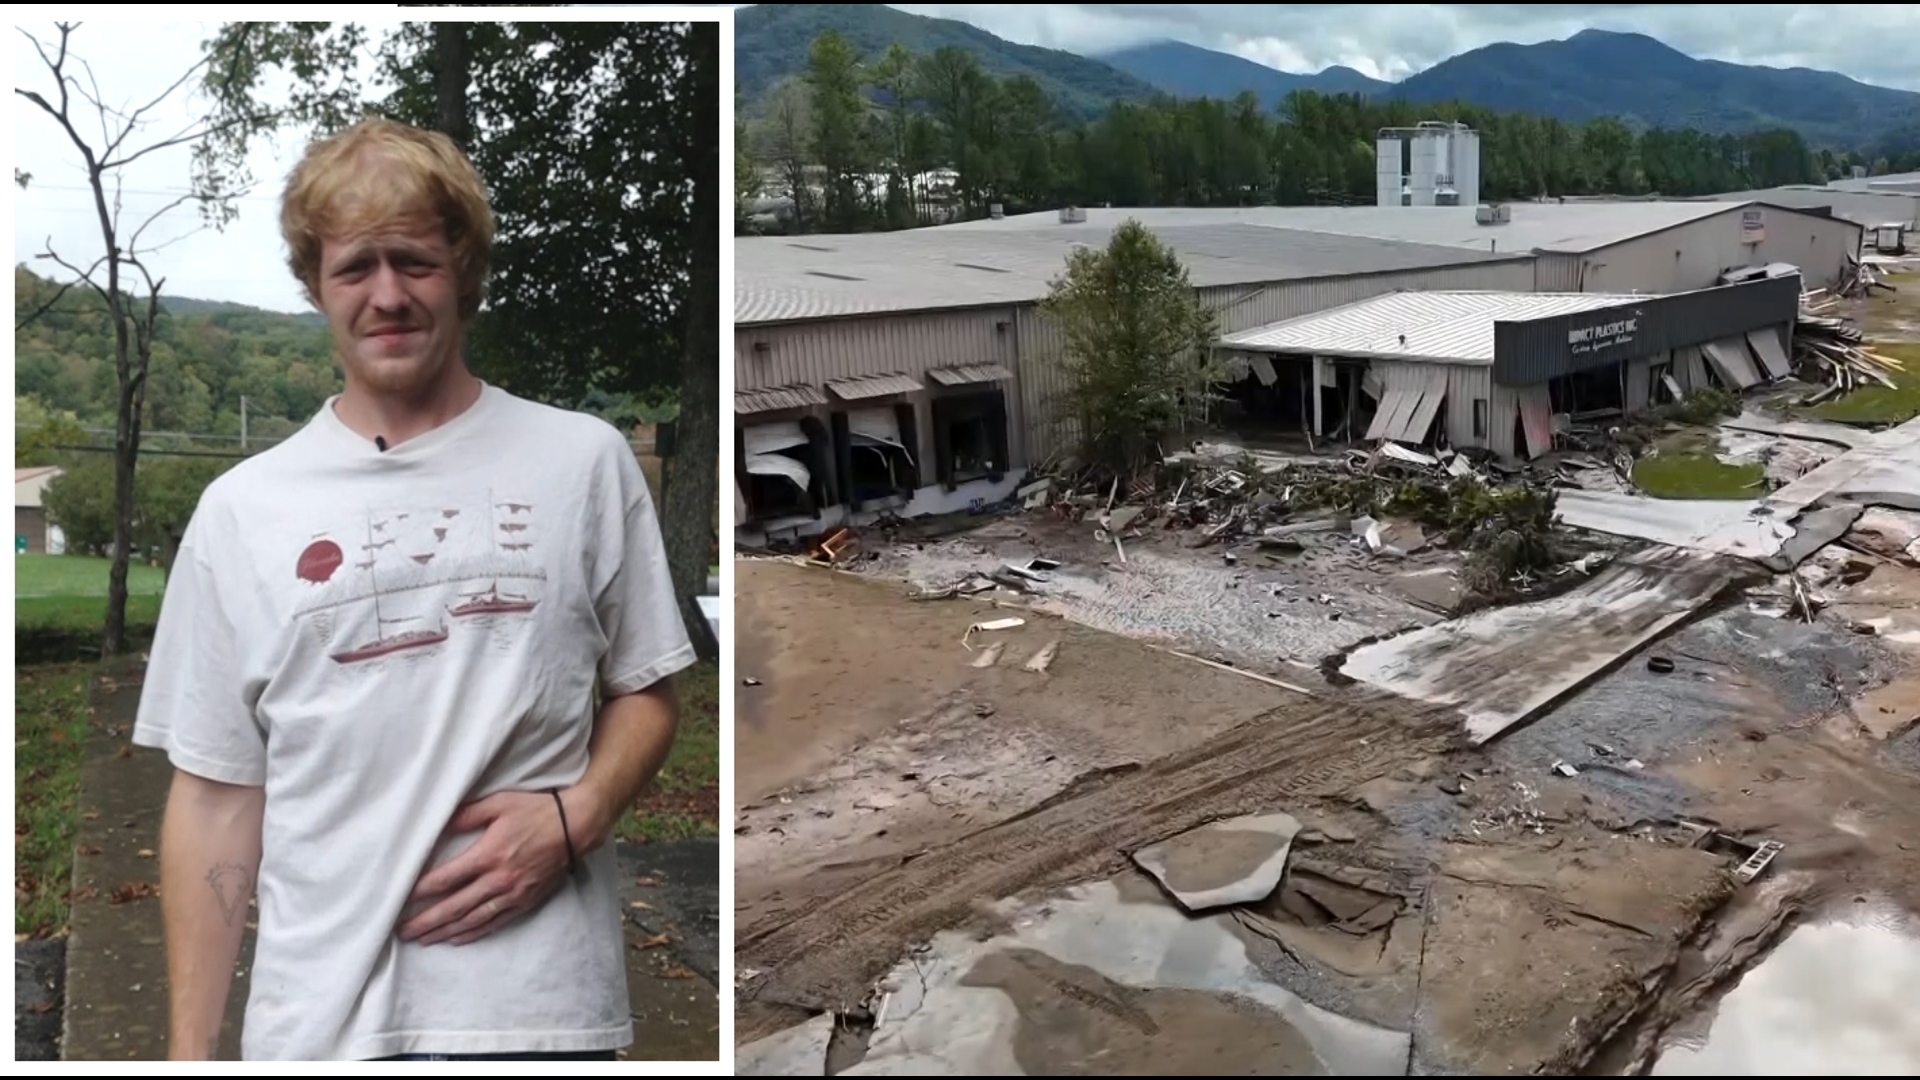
826	952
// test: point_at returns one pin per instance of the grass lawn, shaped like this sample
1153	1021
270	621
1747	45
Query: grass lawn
69	592
1685	468
684	800
1877	404
50	735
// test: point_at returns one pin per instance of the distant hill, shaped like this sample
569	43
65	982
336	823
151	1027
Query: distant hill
1600	73
187	305
770	41
1190	71
1594	73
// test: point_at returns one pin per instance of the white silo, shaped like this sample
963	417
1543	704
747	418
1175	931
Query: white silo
1389	179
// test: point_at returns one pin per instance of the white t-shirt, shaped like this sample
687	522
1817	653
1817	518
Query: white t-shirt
378	638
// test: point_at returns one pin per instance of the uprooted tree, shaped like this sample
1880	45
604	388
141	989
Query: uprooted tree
122	274
1137	344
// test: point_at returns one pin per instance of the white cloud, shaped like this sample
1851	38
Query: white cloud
1396	40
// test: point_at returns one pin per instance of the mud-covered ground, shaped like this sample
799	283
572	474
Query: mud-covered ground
1539	903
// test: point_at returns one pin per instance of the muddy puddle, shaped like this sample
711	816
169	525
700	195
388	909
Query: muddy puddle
1835	998
1109	978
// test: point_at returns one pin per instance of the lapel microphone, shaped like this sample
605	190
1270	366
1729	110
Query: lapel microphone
381	442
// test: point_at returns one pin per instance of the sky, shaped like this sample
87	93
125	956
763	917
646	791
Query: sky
1391	41
244	264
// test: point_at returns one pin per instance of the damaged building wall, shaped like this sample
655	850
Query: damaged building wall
1693	256
918	351
1051	428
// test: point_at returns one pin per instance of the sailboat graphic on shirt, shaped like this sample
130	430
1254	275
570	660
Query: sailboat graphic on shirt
493	601
385	644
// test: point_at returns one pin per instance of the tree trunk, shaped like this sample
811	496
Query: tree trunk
452	64
691	496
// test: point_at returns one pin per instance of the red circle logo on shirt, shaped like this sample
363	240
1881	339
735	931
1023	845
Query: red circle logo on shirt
319	561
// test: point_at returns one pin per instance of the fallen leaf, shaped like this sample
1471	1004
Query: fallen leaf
89	849
131	891
126	750
42	1008
91	815
641	905
675	971
653	942
648	883
146	853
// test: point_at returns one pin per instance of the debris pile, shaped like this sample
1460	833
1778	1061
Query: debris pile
1828	349
1394	500
1861	279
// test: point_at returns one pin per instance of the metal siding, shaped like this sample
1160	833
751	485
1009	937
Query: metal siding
1694	255
1503	409
1557	273
1537	350
1464	384
817	352
1639	384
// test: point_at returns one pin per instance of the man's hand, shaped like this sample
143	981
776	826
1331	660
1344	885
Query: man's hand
512	869
522	857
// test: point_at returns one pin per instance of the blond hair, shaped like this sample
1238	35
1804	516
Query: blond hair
333	194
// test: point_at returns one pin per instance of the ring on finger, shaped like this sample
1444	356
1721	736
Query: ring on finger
493	908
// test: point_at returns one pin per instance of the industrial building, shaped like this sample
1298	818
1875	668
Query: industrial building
912	373
1505	371
1613	247
1867	208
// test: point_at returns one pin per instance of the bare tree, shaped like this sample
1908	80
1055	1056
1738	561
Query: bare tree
123	269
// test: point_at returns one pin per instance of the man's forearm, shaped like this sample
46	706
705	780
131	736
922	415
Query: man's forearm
631	738
209	858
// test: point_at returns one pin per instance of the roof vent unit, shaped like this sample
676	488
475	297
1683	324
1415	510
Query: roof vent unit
1072	215
1446	196
996	211
1493	214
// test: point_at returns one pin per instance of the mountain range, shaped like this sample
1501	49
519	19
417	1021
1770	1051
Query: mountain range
1594	73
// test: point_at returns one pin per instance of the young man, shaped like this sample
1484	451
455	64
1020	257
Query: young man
377	663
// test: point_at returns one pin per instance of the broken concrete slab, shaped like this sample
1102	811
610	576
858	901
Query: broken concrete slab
1503	666
1437	589
1110	973
800	1050
1236	861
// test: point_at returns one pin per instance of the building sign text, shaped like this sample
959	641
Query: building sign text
1586	339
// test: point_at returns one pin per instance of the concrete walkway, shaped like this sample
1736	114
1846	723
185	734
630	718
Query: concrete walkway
116	986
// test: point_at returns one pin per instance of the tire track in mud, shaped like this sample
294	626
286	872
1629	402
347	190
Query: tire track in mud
828	955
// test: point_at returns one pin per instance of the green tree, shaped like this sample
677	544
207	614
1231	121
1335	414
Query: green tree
785	140
81	501
1138	343
38	432
839	128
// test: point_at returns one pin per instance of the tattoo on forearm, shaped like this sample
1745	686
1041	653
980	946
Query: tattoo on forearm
232	885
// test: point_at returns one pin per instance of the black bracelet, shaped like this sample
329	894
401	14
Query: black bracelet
565	833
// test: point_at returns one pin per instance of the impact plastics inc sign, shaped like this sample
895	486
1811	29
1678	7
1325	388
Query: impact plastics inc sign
1582	340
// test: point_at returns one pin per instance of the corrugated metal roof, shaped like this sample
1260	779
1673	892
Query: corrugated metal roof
790	279
1569	228
777	397
872	386
970	373
1440	327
